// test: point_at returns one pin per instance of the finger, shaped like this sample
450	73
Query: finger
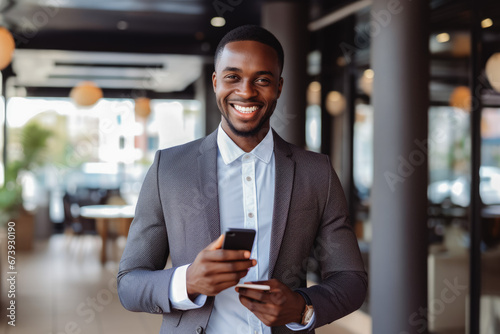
229	279
217	244
233	276
270	315
253	294
275	296
227	255
254	306
273	283
267	282
215	268
232	266
214	284
226	281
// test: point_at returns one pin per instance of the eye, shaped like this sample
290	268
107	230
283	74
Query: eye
263	81
231	77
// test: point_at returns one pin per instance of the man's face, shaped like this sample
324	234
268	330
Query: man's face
247	85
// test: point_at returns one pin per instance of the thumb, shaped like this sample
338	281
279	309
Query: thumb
217	244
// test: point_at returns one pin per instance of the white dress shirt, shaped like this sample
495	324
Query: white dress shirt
246	200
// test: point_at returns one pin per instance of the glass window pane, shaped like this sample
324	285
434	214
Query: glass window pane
490	223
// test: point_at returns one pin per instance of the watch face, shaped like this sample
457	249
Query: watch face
307	315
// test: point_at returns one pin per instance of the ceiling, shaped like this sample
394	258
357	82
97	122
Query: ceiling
121	45
141	72
146	26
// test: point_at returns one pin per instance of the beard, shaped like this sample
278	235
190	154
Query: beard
251	132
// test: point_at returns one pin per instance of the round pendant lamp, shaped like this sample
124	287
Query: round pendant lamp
142	107
461	98
86	94
366	82
335	103
7	46
493	71
314	93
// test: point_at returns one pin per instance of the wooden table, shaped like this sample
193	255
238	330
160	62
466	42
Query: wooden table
104	215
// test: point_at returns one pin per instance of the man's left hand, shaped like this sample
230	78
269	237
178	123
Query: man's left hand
276	307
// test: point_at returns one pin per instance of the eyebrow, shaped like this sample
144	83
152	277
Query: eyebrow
232	69
236	69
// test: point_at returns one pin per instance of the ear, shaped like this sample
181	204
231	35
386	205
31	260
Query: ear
214	80
280	86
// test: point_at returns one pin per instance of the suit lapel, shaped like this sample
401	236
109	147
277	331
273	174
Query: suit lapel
207	167
284	174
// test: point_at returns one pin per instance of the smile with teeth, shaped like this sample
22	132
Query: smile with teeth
245	110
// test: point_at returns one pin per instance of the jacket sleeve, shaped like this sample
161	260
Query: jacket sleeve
343	278
143	283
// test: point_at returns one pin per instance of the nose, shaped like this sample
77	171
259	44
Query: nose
246	89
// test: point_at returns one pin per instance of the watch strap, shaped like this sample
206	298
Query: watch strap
308	309
305	296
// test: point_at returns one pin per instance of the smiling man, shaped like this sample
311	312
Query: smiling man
247	83
243	175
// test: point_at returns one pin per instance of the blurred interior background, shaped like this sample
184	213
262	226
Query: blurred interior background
91	89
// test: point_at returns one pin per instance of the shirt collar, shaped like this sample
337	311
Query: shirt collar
230	151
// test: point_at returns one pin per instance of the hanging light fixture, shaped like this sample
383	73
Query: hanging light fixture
335	103
7	46
142	107
314	93
366	82
461	98
493	71
86	94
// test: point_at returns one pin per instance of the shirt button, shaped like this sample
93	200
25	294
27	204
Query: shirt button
250	215
248	178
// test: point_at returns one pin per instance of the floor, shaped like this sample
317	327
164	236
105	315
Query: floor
62	288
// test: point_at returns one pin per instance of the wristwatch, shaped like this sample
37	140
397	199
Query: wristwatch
308	309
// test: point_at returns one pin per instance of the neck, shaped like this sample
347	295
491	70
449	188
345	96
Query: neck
246	143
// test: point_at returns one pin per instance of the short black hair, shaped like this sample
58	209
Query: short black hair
251	32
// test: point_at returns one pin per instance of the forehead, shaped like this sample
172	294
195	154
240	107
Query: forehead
248	54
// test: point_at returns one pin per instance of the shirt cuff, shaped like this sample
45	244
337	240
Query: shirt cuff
178	292
294	326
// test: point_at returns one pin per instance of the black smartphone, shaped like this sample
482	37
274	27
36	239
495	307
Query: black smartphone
239	239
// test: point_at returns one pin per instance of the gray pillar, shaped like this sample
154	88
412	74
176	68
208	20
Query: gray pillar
287	20
399	196
204	93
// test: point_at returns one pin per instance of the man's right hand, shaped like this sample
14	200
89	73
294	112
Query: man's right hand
216	269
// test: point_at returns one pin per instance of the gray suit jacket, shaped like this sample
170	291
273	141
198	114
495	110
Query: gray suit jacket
178	215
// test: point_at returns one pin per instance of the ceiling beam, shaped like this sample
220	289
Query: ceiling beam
338	15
